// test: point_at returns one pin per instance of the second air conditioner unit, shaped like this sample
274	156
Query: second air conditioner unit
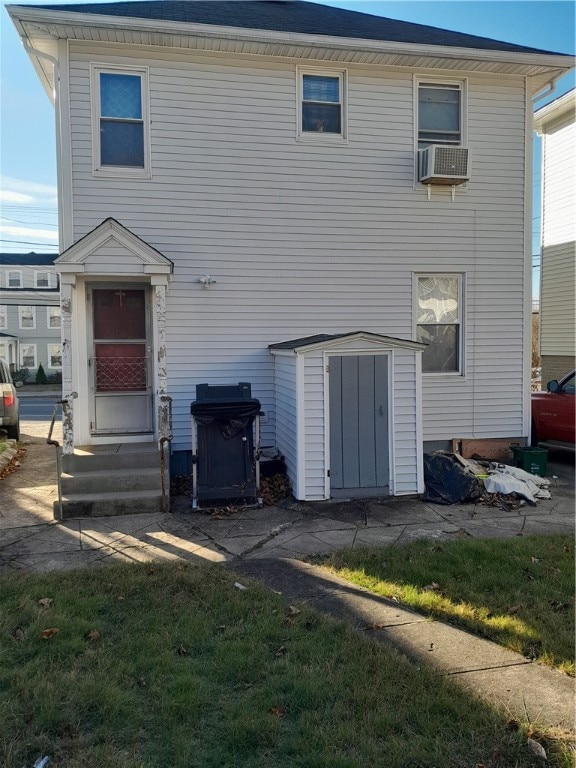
443	164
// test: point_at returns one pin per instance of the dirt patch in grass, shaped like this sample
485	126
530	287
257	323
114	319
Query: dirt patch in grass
518	592
154	666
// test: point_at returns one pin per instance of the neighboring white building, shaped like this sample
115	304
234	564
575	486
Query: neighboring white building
30	313
239	185
556	123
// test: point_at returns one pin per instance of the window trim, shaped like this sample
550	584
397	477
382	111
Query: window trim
21	355
3	316
462	84
13	272
119	171
42	272
49	356
22	307
461	277
53	327
316	136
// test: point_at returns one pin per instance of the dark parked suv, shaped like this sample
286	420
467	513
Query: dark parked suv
9	413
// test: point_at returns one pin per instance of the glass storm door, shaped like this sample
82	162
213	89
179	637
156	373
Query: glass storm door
120	361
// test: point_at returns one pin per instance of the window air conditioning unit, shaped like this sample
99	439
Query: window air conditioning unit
443	164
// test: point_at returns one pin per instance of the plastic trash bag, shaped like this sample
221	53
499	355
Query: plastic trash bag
447	482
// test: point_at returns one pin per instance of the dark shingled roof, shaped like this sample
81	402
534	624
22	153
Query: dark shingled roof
27	259
291	16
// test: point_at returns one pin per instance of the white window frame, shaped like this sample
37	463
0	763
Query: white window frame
49	357
315	136
432	80
3	316
13	272
112	171
38	272
49	315
21	309
34	347
461	277
4	352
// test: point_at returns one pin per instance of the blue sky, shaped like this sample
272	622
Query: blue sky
27	144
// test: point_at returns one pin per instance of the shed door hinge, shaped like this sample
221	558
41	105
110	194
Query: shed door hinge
327	473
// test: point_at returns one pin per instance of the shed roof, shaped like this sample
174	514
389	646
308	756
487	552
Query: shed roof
322	339
293	16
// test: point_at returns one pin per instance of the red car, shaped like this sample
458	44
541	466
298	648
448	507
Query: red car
553	419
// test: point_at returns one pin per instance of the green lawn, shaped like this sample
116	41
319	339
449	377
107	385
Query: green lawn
172	666
518	592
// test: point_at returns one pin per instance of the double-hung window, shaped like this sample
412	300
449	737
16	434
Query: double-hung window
27	317
440	113
439	322
3	316
42	279
14	279
120	116
28	355
54	317
322	103
55	356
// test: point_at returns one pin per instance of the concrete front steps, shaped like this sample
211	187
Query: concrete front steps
106	480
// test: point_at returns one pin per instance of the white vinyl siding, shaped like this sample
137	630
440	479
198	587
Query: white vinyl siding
305	238
558	276
286	413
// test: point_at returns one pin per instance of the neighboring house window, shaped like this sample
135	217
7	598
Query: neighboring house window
440	113
439	322
14	279
27	316
120	122
3	353
54	356
322	99
28	355
3	317
42	279
54	317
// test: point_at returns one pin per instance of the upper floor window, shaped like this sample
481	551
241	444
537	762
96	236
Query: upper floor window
14	279
120	122
322	101
42	279
27	317
440	113
3	317
54	317
439	322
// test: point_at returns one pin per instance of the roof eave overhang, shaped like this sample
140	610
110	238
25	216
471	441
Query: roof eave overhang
558	109
37	24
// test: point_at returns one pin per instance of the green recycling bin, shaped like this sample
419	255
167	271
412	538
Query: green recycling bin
533	460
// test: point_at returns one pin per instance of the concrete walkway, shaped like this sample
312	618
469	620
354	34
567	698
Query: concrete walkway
270	543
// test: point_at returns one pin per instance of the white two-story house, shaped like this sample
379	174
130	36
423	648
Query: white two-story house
243	197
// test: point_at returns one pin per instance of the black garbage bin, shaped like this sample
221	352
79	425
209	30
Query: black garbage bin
225	445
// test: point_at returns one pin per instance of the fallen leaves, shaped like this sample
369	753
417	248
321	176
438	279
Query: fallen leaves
282	651
277	711
46	634
18	634
181	651
45	602
93	634
239	586
432	587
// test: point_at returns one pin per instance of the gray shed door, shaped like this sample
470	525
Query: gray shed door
359	451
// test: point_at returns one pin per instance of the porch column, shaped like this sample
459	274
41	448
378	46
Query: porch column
164	401
67	282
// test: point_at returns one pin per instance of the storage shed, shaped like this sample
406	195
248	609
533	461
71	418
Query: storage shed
348	414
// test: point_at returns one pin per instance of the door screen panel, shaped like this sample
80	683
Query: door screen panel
119	314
